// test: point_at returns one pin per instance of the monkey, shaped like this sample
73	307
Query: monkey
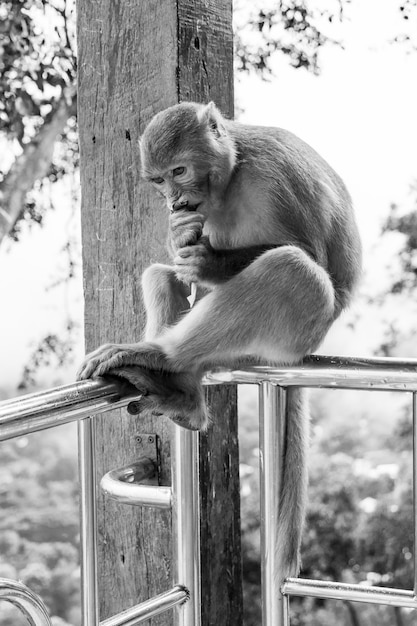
265	229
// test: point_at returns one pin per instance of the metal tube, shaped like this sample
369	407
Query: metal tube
76	401
149	608
24	599
272	407
354	593
118	486
186	523
331	372
415	487
68	403
88	522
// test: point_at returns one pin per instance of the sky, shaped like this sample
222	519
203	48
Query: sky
360	114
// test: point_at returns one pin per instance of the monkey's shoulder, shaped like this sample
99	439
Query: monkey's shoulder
273	149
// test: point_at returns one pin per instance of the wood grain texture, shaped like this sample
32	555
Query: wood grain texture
205	72
135	59
127	72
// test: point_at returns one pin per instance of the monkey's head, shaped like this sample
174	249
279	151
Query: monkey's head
186	153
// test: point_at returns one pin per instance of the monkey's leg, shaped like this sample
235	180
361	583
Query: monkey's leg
165	299
279	309
177	395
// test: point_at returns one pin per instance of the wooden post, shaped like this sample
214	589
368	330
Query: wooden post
136	58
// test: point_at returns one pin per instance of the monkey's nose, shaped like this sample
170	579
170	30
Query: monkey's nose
179	204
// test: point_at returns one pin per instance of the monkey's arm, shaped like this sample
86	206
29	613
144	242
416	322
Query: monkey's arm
201	263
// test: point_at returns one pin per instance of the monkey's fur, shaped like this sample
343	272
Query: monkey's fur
265	226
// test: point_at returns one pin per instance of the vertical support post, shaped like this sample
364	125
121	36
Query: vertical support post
88	522
272	417
414	413
205	72
135	59
186	507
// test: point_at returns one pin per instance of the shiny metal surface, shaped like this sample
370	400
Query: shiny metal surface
72	402
354	593
123	485
272	407
415	488
46	409
332	372
186	523
149	608
88	522
24	599
50	408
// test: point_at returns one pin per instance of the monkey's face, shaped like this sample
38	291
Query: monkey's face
182	184
187	155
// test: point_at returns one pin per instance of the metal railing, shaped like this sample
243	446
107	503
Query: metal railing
81	401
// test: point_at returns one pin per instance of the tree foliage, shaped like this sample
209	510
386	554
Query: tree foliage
344	540
37	103
295	28
39	526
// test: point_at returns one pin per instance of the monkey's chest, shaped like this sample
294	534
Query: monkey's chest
239	227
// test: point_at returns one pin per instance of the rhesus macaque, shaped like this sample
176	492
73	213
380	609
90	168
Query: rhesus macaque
264	227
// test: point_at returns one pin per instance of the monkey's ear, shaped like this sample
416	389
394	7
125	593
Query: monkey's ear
212	118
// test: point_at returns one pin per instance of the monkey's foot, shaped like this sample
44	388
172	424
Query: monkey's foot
178	395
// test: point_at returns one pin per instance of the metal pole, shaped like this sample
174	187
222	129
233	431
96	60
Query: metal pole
150	608
354	593
87	469
50	408
331	372
186	522
415	487
272	408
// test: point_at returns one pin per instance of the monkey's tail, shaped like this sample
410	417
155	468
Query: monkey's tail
293	485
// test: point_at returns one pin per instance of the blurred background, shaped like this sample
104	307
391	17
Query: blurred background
342	75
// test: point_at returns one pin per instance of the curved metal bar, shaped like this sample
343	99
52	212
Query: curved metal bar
123	485
24	599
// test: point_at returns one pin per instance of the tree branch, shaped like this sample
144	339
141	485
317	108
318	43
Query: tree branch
33	164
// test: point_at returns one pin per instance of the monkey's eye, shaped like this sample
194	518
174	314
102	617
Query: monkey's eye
158	180
178	171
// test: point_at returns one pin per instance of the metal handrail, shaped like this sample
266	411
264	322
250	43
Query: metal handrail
24	599
377	374
47	409
69	403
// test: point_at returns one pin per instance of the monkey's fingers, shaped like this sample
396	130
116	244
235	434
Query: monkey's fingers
181	218
189	263
186	229
111	356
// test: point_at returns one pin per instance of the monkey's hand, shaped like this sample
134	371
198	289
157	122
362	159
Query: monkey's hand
113	355
195	263
185	228
201	263
177	395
